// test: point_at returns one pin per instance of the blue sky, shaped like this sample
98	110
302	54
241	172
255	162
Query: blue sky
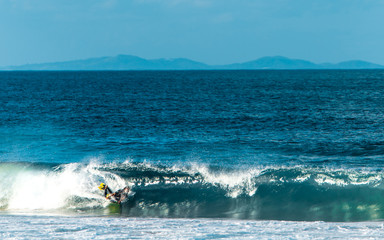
210	31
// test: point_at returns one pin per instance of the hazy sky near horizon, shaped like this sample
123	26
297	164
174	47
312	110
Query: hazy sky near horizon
210	31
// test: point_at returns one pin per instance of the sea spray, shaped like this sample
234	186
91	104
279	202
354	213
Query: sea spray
42	187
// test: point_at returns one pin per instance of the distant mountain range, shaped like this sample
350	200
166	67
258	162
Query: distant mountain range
128	62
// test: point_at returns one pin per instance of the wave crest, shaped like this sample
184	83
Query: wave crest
281	193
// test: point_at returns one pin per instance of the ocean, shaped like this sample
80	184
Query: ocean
264	154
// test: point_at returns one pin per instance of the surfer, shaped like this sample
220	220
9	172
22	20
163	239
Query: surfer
115	197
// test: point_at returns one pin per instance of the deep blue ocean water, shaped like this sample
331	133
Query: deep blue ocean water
221	118
248	145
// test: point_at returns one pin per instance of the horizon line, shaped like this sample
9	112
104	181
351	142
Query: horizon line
286	63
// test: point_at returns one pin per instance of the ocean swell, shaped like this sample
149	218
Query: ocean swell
193	191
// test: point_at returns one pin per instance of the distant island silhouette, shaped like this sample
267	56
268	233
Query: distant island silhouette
129	62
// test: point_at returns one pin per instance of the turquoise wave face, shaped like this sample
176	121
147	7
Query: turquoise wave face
197	191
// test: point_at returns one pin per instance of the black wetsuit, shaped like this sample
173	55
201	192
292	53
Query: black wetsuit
107	191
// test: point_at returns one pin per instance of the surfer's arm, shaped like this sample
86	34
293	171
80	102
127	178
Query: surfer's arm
109	195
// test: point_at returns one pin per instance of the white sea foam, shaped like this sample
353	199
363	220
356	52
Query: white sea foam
48	227
33	188
236	182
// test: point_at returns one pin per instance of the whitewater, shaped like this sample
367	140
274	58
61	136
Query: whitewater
64	227
45	201
207	154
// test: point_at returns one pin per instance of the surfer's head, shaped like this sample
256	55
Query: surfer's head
102	186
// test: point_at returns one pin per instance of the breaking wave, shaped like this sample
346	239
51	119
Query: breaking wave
193	191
